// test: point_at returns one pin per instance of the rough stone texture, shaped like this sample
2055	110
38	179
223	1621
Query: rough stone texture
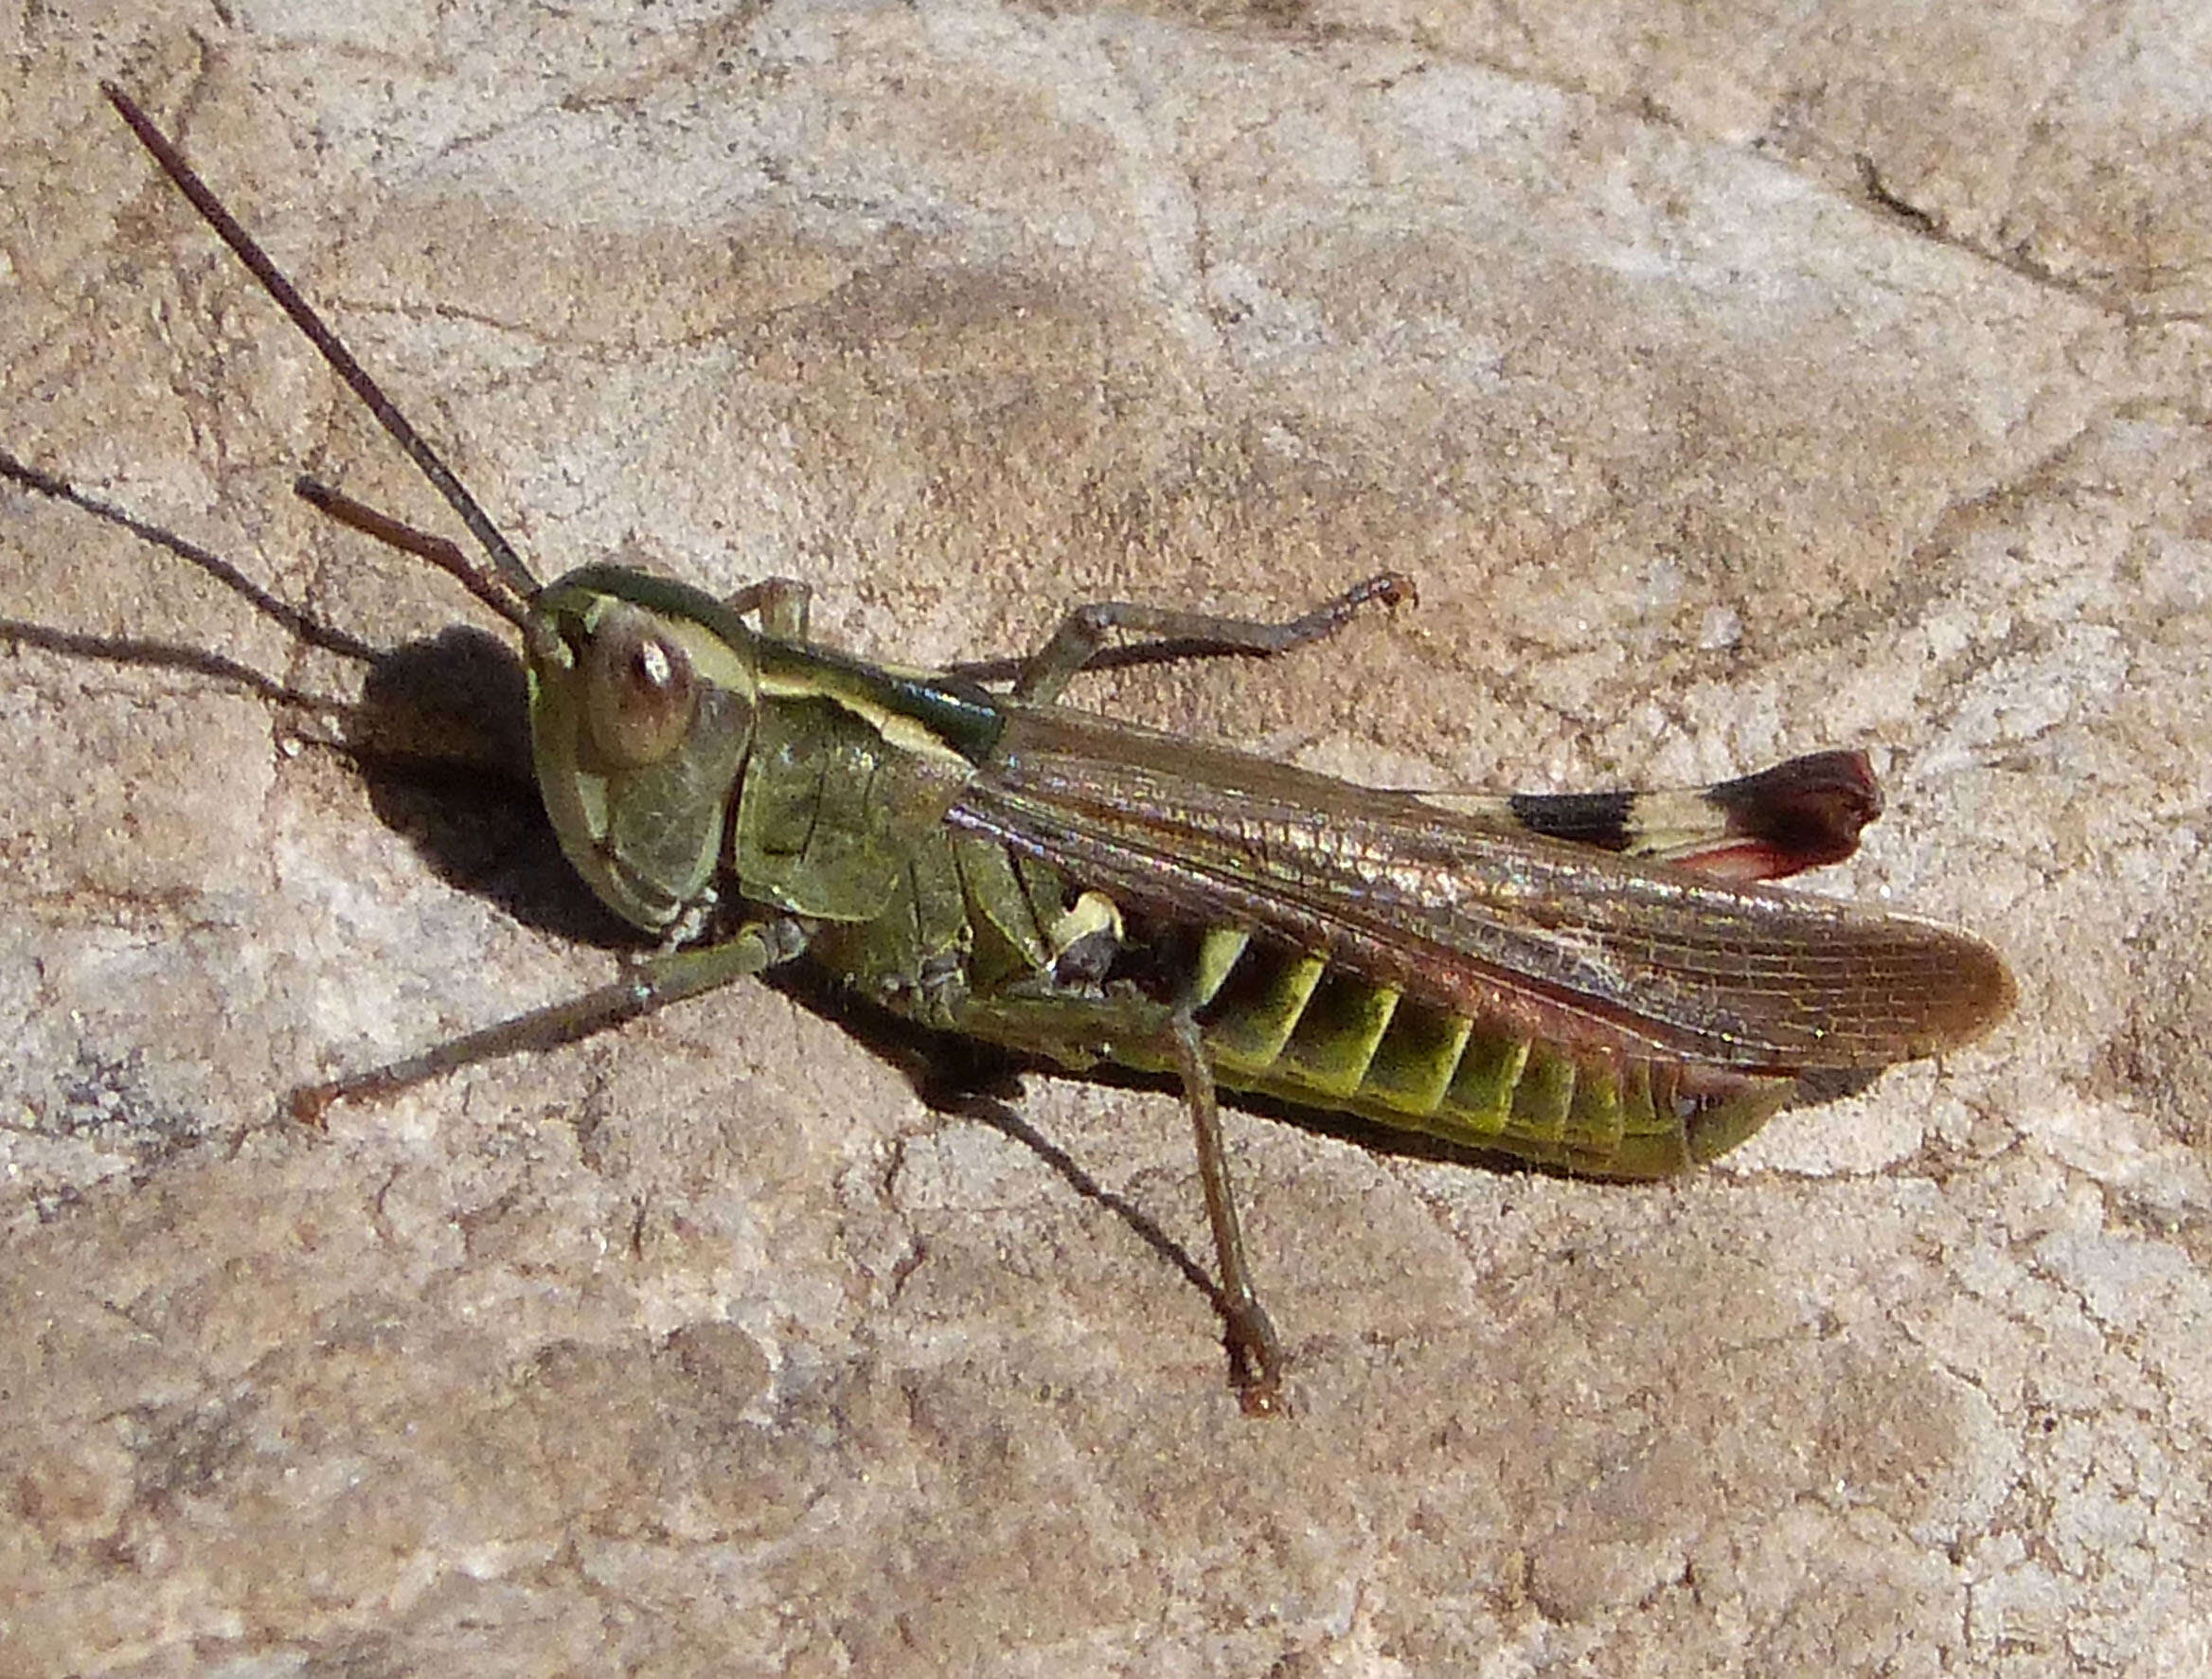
1735	381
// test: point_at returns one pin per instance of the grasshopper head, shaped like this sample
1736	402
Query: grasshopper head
642	696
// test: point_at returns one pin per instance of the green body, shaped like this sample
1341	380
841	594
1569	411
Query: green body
869	807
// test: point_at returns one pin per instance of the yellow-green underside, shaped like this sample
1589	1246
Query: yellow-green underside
1292	1027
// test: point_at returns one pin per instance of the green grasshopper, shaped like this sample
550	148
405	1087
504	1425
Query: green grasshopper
1600	984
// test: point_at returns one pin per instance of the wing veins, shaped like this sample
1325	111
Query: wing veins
1555	939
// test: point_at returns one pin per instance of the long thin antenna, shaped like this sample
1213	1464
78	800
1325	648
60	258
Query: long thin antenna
515	576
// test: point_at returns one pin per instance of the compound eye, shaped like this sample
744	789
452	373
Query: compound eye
639	689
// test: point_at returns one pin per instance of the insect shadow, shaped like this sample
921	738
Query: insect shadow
440	740
439	736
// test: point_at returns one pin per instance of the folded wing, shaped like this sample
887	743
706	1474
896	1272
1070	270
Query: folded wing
1468	911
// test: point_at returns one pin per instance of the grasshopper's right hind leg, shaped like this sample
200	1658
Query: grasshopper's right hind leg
1080	643
668	977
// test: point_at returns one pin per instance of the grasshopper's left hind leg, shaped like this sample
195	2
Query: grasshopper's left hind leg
1256	1357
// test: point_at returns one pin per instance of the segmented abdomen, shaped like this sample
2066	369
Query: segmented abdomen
1292	1026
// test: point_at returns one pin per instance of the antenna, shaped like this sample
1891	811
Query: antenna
508	587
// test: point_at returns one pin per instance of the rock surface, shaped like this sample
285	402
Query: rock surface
1733	387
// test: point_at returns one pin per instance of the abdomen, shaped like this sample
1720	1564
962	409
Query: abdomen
1294	1027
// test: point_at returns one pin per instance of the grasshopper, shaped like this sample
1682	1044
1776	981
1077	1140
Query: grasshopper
1600	984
